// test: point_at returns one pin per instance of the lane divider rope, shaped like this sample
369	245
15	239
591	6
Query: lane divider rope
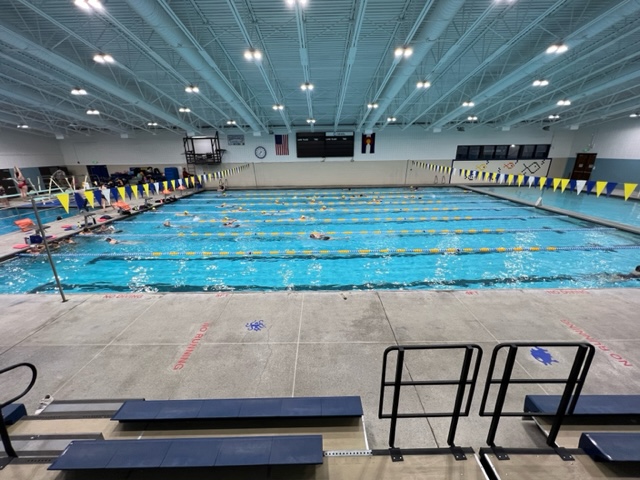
360	251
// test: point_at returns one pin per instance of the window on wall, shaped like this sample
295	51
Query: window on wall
502	152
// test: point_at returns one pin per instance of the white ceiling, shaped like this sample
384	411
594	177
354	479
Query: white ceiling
485	51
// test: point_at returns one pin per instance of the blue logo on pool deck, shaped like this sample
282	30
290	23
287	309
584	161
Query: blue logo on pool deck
255	326
543	356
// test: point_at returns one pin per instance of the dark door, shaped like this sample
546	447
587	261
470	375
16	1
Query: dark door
583	166
98	173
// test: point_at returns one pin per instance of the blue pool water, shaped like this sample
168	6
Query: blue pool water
47	214
439	238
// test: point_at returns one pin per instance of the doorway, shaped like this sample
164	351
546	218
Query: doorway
583	166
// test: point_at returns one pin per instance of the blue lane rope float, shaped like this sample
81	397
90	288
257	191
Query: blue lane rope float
345	210
312	220
304	253
404	232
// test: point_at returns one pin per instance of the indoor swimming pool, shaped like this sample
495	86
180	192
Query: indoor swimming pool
433	238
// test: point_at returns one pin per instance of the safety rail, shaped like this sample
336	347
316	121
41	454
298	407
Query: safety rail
573	386
6	441
462	382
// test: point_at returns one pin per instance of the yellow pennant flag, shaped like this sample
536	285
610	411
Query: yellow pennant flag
173	184
145	186
509	179
543	181
165	184
121	192
563	184
186	182
134	190
600	186
556	183
628	189
63	198
89	195
520	180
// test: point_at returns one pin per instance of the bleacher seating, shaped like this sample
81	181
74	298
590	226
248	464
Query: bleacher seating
243	408
611	447
597	405
191	453
13	412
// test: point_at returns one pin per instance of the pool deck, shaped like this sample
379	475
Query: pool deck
316	343
175	346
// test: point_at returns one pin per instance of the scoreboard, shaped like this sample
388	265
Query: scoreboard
324	144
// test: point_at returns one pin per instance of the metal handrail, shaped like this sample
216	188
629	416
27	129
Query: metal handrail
6	441
573	385
462	382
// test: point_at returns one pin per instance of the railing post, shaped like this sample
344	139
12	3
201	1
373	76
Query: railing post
397	384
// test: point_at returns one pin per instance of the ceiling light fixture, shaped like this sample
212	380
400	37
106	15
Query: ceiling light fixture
472	118
391	119
307	86
557	48
422	84
93	112
468	104
634	115
278	107
540	83
78	91
554	117
103	58
403	52
191	89
184	109
22	125
253	54
152	124
89	5
372	105
564	103
311	120
231	122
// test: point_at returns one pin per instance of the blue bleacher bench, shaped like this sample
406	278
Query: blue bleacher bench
587	404
13	412
241	408
191	453
611	447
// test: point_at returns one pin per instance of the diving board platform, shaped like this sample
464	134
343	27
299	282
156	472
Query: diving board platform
611	447
191	453
593	405
242	408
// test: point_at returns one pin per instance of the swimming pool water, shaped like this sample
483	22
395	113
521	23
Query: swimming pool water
438	238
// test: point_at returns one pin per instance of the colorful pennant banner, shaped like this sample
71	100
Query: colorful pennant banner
532	181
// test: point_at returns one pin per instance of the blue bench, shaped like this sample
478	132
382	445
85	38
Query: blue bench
13	412
611	447
191	453
242	408
604	405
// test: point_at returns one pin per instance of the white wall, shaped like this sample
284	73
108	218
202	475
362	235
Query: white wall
415	143
619	139
27	150
389	165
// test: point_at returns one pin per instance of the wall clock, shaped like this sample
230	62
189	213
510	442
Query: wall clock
261	152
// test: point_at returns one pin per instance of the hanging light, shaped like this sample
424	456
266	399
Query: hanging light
191	89
78	91
307	86
184	109
311	120
424	84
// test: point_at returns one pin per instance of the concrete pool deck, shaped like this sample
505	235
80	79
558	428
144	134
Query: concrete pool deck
175	346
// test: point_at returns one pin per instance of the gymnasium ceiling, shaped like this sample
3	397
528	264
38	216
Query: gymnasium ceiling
488	52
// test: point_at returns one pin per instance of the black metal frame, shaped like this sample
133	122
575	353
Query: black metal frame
213	157
462	382
6	441
573	386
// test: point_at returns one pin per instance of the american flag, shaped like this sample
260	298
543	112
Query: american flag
282	144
